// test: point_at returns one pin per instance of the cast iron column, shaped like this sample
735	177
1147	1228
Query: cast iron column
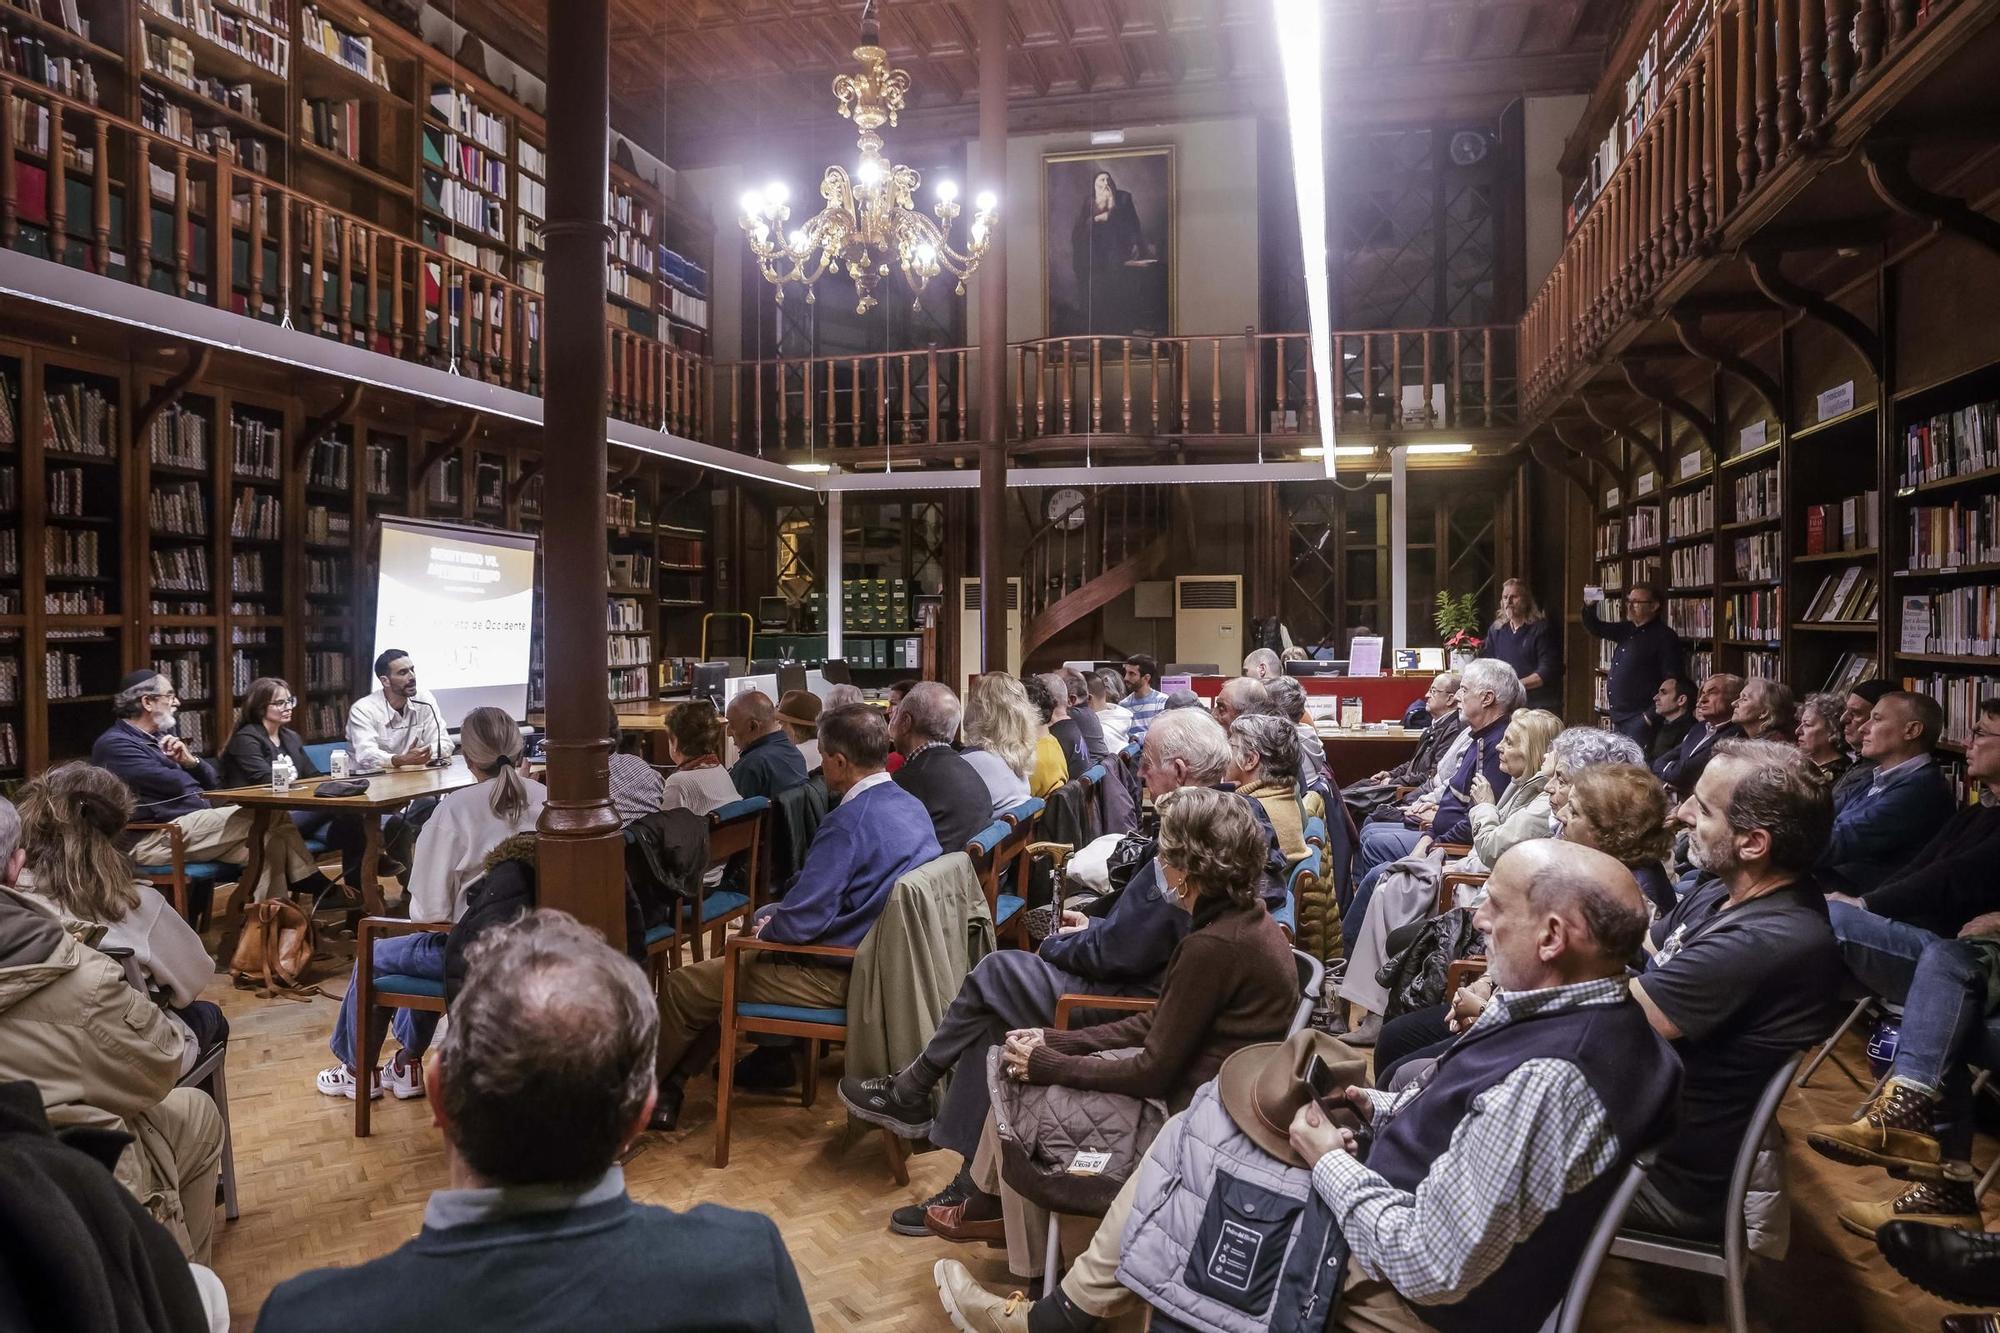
582	852
992	280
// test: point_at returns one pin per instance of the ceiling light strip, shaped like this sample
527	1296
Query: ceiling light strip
1301	47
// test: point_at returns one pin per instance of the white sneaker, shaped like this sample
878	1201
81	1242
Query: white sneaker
406	1080
335	1081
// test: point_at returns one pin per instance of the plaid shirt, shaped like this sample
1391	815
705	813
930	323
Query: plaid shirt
1527	1143
636	787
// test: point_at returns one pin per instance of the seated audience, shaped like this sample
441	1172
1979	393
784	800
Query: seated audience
1741	976
1183	699
1765	710
876	834
840	696
1288	701
71	819
263	732
999	730
1479	1194
1230	982
1672	718
1264	765
1854	718
1050	768
1906	801
1619	808
1263	666
950	788
766	760
798	712
1063	729
1143	699
637	790
544	1080
104	1058
1239	695
451	853
167	780
1124	951
1083	717
1522	812
1489	692
1713	705
1445	724
699	782
1820	737
897	693
1523	638
1114	718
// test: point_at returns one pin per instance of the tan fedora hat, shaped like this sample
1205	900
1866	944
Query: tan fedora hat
800	708
1262	1087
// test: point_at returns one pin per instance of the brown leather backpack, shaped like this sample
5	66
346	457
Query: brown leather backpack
274	950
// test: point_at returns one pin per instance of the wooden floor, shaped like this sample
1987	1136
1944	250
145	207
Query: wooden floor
312	1195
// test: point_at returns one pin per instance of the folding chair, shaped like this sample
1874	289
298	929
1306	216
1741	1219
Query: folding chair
387	990
1568	1316
1865	1007
1729	1258
1287	916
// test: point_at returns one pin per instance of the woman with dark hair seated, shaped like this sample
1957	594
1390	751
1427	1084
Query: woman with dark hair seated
263	732
1231	983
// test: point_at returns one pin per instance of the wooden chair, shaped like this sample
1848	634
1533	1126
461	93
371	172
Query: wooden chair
1462	971
1300	878
996	850
1023	812
663	946
209	1074
179	877
816	1027
388	990
736	829
1449	886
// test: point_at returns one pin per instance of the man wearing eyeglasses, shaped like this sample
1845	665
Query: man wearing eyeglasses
1648	652
167	781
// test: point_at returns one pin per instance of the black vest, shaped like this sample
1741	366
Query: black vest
1636	1077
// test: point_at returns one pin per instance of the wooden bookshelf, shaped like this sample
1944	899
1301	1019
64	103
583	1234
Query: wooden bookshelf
14	676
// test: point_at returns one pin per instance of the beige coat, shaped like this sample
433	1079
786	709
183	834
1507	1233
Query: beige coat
932	931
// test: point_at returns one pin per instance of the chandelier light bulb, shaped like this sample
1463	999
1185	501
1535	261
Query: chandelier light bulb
752	203
870	171
987	201
947	190
775	193
797	240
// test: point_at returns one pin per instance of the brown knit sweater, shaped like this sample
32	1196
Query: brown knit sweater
1230	983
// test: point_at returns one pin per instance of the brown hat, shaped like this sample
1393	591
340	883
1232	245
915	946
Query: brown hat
1262	1087
800	708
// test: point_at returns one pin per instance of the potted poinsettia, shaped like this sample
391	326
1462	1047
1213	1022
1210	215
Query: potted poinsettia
1458	626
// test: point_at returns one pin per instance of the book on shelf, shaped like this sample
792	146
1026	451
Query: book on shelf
1944	537
1952	444
355	51
1962	622
467	117
78	420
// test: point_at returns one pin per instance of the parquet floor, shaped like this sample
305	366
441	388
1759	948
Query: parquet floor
312	1195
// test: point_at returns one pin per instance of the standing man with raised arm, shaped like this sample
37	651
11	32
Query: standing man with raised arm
1648	652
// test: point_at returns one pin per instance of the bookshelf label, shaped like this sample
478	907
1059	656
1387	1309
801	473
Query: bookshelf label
1612	497
1758	433
1691	463
1645	486
1833	402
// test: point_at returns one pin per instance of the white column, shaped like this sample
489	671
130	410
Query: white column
835	614
1399	549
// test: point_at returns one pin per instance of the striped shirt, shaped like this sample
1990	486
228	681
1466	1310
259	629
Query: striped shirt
1143	712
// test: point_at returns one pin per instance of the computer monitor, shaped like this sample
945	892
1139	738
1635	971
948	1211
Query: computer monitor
709	678
835	671
1191	669
762	666
773	613
791	676
1315	668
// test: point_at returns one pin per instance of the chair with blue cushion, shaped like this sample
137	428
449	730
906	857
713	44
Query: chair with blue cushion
191	884
1287	916
374	991
320	754
734	830
996	850
1023	812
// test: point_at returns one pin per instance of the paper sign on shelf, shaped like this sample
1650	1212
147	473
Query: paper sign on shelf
1168	684
1753	436
1835	401
1365	657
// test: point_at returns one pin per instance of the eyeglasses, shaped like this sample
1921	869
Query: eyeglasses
284	703
1981	734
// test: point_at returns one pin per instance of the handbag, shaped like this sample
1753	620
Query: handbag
274	947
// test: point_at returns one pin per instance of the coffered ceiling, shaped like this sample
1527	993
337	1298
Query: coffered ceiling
713	77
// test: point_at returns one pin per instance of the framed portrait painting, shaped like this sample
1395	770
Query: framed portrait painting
1108	243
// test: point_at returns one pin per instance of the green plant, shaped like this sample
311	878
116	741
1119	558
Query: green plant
1457	616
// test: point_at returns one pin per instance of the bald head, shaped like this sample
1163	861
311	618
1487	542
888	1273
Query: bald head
1557	913
750	715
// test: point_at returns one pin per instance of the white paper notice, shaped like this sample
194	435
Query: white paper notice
1690	465
1753	436
1838	399
1365	657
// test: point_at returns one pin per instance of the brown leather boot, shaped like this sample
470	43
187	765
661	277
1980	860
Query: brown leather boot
1897	1130
1942	1203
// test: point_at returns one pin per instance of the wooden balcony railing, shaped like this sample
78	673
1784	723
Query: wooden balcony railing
286	257
1209	387
1767	81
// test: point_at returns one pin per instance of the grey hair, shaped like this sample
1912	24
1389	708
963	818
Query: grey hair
10	830
1266	659
1778	793
1449	680
1600	892
1581	747
932	709
1072	680
1490	673
132	702
1827	708
548	1059
839	696
1244	694
1195	738
1287	696
1273	742
1114	684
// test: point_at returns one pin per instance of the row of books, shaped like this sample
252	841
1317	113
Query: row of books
74	602
171	59
629	212
1692	617
10	680
624	615
190	674
64	13
1700	663
10	553
180	510
447	482
383	465
628	684
32	59
466	251
328	527
629	650
326	576
257	516
353	50
239	34
178	437
334	126
322	721
328	669
531	159
1952	444
534	200
1691	515
246	574
469	118
1947	536
1959	696
1758	556
180	569
173	121
1646	569
1761	666
62	673
329	464
1610	539
1690	566
464	159
256	446
78	419
10	494
65	492
627	285
9	429
1758	496
1960	621
69	553
1852	594
463	205
1756	616
192	727
244	668
1853	524
1849	670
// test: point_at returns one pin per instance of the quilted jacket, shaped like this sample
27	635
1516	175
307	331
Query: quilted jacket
1043	1127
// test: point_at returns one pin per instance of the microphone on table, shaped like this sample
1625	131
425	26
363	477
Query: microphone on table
438	758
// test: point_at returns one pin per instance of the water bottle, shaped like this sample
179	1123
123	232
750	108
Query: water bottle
283	774
338	764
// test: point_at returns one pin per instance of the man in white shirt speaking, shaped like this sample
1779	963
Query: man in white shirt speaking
398	726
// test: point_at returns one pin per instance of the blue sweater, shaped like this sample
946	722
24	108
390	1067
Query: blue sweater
1482	756
1881	829
864	845
161	789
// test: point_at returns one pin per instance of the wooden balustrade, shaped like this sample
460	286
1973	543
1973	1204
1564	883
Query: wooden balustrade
363	285
1767	82
869	400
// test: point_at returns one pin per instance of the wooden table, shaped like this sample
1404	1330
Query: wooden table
1355	753
387	793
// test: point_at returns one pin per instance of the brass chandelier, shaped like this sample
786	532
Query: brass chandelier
870	220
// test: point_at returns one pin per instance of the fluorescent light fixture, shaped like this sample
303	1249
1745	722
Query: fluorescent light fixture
1300	47
817	469
1099	138
1416	449
1339	450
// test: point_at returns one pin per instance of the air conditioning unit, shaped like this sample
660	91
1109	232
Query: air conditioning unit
970	635
1208	619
